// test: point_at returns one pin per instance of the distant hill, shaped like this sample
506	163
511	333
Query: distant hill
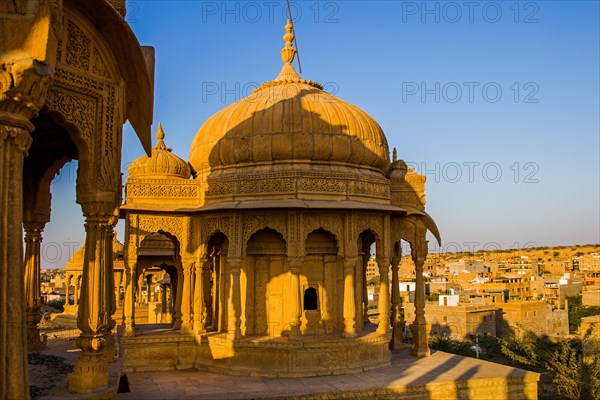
535	253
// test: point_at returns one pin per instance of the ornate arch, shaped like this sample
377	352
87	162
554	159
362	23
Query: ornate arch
372	223
254	223
209	226
86	97
331	223
140	226
172	237
338	244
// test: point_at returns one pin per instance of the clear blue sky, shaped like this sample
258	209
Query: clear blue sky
513	168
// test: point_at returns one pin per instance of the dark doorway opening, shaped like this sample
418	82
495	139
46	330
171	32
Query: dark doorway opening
310	299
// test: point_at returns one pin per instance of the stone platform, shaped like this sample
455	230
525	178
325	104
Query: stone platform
156	348
440	376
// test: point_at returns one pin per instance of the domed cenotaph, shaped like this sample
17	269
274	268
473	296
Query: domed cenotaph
272	221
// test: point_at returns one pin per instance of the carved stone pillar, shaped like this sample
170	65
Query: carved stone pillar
67	289
349	298
118	289
186	298
207	287
234	300
23	84
420	345
384	296
33	239
295	303
110	350
222	287
365	261
148	289
163	302
76	292
139	282
199	304
14	142
129	304
95	304
397	325
215	291
178	299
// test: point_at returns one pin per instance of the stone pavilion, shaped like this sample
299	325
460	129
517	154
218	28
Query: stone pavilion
269	227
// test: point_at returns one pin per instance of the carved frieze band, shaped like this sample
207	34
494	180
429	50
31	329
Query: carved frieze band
162	188
296	182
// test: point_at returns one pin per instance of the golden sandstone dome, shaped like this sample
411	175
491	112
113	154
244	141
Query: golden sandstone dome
162	164
289	122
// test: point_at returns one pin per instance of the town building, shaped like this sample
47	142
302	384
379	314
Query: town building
457	320
519	317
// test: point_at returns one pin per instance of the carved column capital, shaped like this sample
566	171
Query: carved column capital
23	85
383	264
33	230
91	343
98	211
295	264
350	264
16	135
235	265
200	265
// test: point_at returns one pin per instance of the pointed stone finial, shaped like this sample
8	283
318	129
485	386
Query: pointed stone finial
288	52
160	135
288	74
395	155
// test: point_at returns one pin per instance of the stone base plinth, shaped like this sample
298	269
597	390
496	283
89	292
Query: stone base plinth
164	352
257	356
90	374
278	357
71	309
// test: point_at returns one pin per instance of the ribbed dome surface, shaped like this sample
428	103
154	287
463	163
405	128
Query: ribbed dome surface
162	164
290	122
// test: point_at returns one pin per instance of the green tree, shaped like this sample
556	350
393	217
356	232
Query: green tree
57	304
374	281
435	296
574	375
445	344
577	311
568	370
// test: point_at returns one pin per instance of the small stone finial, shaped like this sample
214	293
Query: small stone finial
288	52
394	155
160	135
